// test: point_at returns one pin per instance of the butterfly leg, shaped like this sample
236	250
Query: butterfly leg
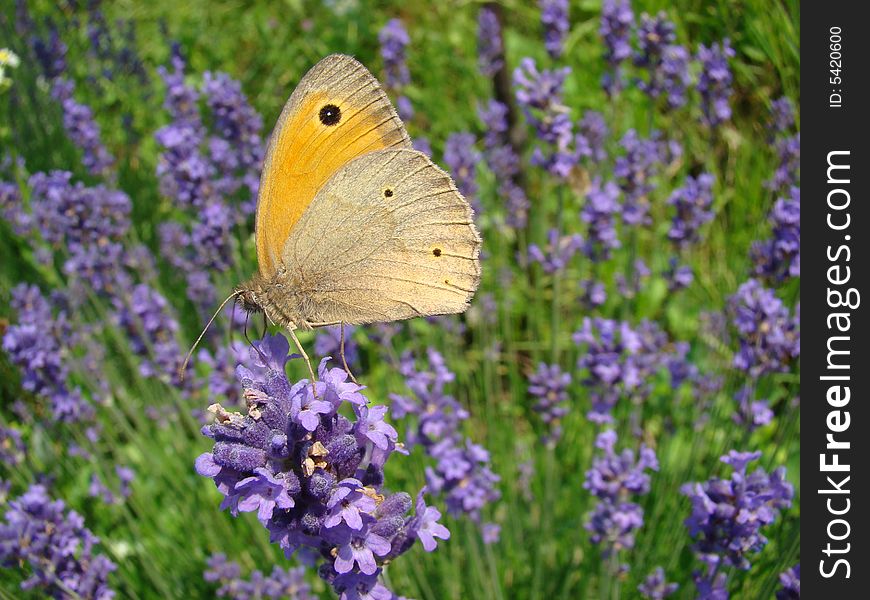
343	359
304	356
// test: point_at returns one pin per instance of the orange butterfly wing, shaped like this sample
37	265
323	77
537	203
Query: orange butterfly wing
337	112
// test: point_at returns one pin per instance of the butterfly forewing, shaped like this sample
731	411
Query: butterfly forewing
338	112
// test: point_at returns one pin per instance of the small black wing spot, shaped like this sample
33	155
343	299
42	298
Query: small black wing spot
388	193
330	114
437	251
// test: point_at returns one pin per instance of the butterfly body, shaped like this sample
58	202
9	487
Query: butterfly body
353	226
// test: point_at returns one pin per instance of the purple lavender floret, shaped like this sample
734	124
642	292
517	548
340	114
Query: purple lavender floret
656	36
617	21
238	148
614	479
12	446
328	343
787	173
462	472
56	546
693	205
281	583
599	212
39	345
50	53
714	83
12	208
82	129
751	413
554	17
539	93
729	514
394	41
504	162
678	276
655	587
782	115
618	361
634	171
790	579
490	47
556	255
592	136
461	157
314	477
769	335
549	386
87	223
146	317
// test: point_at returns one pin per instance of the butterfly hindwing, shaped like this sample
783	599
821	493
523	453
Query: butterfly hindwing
337	112
388	237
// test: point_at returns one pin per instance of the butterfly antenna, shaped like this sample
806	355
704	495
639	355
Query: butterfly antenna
201	335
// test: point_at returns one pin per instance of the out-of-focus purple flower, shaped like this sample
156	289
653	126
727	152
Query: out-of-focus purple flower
554	17
126	475
50	52
421	144
315	479
238	128
782	114
491	533
617	20
549	386
787	174
728	514
88	224
56	546
593	135
504	162
40	345
714	83
82	129
673	75
461	473
769	336
614	479
599	212
461	158
693	204
711	585
619	361
594	293
678	276
394	41
634	171
630	285
328	343
490	47
751	413
12	447
539	93
556	255
281	583
667	64
12	208
790	579
147	319
655	587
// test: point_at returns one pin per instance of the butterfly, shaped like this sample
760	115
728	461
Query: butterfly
353	226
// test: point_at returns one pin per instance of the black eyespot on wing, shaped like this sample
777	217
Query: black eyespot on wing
330	114
388	193
437	251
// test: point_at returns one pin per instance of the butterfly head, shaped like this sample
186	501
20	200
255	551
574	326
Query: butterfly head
250	295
